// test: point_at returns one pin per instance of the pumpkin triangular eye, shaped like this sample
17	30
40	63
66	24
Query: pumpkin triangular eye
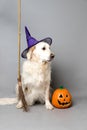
67	95
60	96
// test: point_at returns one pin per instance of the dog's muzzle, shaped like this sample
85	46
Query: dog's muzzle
52	56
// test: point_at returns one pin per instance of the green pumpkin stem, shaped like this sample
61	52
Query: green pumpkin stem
61	87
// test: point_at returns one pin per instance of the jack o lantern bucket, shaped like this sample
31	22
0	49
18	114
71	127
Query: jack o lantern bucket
61	98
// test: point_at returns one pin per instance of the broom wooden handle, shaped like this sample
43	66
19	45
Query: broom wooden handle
19	36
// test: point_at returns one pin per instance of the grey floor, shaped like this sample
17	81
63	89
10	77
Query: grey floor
66	22
38	118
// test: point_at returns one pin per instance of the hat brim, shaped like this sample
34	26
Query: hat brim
48	40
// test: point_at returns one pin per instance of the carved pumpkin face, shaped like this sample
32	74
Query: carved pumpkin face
61	98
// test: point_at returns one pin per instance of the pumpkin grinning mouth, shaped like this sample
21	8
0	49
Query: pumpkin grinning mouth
66	103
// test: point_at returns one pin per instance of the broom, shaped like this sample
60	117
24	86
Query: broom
21	93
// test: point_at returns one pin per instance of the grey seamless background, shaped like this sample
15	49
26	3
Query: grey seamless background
66	22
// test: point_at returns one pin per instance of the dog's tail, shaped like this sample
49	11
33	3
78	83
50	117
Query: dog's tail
8	101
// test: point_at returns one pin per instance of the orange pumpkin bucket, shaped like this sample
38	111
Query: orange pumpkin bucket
61	98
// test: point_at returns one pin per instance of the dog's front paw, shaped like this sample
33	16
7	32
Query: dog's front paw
19	105
49	106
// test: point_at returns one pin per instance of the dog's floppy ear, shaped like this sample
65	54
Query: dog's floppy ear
30	53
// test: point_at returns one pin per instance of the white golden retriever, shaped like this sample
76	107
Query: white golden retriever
36	77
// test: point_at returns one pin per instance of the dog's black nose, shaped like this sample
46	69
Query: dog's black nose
52	56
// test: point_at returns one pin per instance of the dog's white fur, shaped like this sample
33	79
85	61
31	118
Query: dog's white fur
8	101
36	75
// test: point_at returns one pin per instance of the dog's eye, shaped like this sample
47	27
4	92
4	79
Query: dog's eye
43	48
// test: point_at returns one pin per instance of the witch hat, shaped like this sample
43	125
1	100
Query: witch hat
31	41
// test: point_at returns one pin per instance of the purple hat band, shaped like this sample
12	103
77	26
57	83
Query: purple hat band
32	41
